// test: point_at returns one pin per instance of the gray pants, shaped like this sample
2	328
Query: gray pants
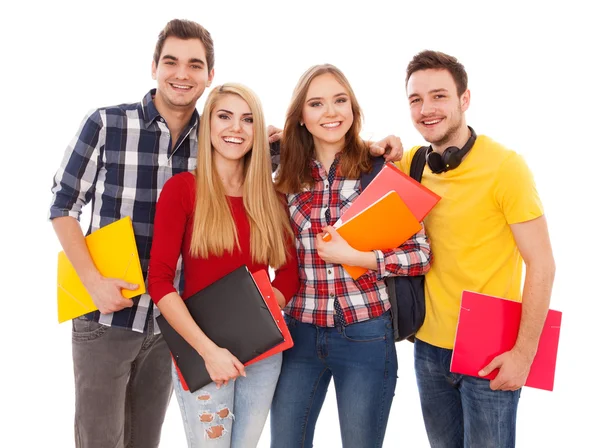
122	386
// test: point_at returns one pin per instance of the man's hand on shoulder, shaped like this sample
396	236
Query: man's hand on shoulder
274	134
390	148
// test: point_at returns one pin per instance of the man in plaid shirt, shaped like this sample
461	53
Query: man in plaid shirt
119	160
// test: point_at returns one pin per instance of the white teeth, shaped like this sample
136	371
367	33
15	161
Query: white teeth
233	140
432	122
181	87
332	125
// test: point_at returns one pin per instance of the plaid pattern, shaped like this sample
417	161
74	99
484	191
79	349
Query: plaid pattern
119	161
321	283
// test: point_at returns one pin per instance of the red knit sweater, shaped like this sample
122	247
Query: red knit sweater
172	235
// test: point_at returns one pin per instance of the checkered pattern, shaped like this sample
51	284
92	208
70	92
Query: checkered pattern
119	161
323	284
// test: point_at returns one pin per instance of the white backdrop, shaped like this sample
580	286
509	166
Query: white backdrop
533	88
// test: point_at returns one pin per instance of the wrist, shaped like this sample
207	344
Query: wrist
90	278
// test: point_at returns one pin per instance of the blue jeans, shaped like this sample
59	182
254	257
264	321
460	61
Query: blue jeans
460	410
234	415
361	358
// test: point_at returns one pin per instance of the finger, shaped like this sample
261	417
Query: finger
126	303
126	285
376	150
490	367
240	367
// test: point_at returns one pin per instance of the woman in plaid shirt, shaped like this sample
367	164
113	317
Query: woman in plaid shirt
341	327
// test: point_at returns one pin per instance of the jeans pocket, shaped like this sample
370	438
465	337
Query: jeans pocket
87	330
371	330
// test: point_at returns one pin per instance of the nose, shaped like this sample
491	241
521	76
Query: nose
182	72
330	109
427	108
236	125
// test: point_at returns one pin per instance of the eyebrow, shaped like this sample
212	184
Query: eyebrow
191	61
231	113
320	97
431	91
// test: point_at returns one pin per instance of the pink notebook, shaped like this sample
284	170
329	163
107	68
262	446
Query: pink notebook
419	199
488	326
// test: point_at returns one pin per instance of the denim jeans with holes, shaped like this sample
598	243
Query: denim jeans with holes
234	415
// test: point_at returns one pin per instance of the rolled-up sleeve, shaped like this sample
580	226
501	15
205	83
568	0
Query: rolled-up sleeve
411	258
75	181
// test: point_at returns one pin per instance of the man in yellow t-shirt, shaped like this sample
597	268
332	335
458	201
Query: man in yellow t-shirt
489	220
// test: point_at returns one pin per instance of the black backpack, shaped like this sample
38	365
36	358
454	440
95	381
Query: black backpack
406	293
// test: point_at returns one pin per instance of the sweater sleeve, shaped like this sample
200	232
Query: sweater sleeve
287	277
173	210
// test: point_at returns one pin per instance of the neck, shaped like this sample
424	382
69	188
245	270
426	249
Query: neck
325	152
231	173
458	138
176	119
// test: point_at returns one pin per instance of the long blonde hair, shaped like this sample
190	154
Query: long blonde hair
297	144
214	230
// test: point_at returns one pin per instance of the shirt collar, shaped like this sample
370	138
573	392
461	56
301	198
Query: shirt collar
151	113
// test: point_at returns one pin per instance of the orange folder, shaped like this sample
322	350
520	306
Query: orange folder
488	326
384	224
263	283
114	252
419	199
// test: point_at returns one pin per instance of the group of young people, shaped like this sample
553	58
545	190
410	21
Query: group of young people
201	196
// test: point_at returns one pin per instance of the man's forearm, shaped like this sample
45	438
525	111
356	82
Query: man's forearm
536	301
72	241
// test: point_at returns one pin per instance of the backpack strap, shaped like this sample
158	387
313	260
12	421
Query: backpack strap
417	164
377	164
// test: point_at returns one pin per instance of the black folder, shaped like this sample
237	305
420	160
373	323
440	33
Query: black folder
233	314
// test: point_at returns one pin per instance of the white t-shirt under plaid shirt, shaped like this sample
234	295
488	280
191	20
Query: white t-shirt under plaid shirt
323	284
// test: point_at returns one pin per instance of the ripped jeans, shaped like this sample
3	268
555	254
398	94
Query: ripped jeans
234	415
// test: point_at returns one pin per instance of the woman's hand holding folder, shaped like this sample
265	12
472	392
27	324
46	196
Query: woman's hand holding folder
222	366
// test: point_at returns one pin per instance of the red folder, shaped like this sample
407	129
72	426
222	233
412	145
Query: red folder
419	199
263	283
488	326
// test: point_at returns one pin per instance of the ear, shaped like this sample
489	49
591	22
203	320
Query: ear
211	76
154	70
465	100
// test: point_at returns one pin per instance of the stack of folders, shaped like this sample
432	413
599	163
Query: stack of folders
488	326
114	253
385	214
238	312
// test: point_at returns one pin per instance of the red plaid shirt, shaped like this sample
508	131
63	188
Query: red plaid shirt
320	282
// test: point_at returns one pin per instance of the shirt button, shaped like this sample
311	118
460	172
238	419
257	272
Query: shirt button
329	271
332	295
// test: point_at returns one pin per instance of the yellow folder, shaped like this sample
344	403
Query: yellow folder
115	255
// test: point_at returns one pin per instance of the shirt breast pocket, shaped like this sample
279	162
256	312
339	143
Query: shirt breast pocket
346	197
300	206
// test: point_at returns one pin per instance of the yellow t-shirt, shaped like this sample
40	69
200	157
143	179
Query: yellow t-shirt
472	245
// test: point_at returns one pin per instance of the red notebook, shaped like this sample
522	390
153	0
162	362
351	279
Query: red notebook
419	199
263	283
488	326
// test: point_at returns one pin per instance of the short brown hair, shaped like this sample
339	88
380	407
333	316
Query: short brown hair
429	59
186	29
